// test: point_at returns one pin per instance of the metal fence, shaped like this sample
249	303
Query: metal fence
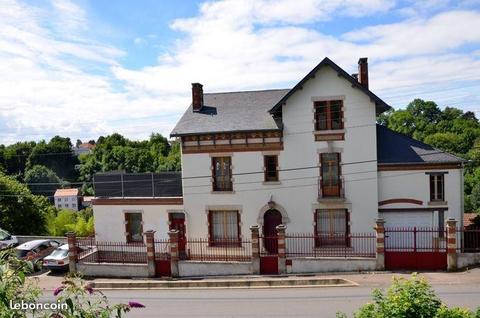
111	252
415	239
311	245
162	251
203	249
468	240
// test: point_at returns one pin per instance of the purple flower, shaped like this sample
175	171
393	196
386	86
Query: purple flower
58	290
89	289
134	304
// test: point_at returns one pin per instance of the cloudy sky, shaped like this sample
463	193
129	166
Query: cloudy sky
92	67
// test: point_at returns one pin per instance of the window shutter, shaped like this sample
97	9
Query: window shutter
127	228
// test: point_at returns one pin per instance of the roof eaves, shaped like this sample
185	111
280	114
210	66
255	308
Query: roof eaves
222	132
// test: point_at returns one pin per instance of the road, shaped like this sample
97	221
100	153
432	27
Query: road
282	302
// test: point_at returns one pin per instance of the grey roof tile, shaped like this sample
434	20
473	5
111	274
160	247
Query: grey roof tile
397	148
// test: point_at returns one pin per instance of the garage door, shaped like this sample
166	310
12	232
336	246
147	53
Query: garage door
412	242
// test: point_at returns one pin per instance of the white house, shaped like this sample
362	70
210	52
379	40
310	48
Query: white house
311	157
67	199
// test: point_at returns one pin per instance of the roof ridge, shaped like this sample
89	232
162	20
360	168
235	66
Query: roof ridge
251	91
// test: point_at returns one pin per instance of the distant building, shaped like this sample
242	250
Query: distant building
83	148
67	199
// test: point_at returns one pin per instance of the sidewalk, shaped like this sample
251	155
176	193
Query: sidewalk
47	281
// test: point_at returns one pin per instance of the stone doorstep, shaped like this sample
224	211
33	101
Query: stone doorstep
245	283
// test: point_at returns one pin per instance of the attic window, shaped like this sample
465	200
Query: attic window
328	115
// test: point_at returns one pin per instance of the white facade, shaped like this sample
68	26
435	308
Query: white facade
67	202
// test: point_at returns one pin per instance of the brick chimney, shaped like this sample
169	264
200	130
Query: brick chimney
363	71
197	96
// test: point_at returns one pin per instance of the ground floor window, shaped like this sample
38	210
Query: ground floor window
224	227
331	227
134	227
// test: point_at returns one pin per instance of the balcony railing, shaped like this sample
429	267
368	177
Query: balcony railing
337	192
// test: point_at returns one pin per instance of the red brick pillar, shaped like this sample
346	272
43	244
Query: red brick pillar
72	251
150	240
255	249
380	229
451	244
173	244
282	255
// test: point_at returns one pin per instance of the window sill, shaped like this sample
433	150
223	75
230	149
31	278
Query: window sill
223	192
329	131
329	135
331	199
437	203
272	182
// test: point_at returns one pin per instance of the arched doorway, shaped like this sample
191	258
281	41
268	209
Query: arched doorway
271	219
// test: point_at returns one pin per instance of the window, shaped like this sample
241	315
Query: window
59	205
332	227
271	172
222	173
330	174
66	205
74	205
134	227
328	115
224	228
437	187
441	223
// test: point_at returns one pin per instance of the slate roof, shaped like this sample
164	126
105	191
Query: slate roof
233	111
380	105
138	185
397	148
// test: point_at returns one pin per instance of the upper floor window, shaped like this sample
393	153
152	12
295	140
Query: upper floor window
271	170
134	227
330	174
328	115
222	174
224	227
437	187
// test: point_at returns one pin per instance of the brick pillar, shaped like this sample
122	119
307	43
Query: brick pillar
255	249
380	229
173	234
72	251
150	240
451	244
282	256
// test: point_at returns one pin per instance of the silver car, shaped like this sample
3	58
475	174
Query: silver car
58	259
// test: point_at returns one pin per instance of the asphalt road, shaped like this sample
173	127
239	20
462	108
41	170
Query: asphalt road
282	302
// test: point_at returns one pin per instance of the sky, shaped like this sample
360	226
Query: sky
87	68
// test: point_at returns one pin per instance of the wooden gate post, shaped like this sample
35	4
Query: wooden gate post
150	240
72	252
451	244
255	249
380	230
173	245
282	255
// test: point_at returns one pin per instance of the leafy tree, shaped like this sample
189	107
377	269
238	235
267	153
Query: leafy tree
42	181
63	222
15	158
21	212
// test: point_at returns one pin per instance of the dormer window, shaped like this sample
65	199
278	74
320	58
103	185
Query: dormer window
328	115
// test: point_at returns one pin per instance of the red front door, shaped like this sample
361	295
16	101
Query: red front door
177	222
271	219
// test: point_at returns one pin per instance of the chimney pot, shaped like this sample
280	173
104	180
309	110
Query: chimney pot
363	71
197	96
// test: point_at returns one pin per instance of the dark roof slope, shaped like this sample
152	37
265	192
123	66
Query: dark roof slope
397	148
234	111
138	185
380	105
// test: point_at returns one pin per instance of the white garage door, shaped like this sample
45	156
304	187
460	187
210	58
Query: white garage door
408	219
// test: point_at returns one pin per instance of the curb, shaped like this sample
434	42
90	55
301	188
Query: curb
227	284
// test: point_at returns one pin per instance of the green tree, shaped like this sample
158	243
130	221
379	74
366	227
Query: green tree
42	181
21	212
15	158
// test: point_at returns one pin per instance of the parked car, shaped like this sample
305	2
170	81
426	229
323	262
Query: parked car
36	250
58	260
7	240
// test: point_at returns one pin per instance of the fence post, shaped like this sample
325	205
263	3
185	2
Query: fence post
255	249
380	231
150	240
451	244
282	259
72	252
173	245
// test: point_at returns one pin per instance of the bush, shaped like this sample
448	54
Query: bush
409	298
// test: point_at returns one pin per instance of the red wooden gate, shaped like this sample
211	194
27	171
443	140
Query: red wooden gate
415	248
268	255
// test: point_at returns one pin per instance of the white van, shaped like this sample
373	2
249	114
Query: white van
7	240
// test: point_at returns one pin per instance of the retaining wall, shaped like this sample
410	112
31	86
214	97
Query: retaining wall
331	264
113	270
200	268
467	259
